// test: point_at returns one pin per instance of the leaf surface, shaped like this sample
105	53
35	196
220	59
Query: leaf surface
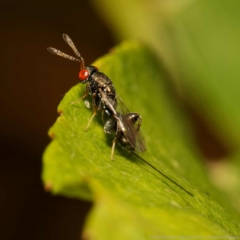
131	199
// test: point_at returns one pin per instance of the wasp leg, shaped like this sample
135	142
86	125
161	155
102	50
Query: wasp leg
113	147
118	133
94	111
84	95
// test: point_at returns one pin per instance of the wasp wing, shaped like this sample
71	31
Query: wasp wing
132	130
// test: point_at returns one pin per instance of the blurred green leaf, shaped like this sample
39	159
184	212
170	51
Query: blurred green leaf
132	200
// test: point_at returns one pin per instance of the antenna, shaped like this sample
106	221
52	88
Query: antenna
69	41
62	54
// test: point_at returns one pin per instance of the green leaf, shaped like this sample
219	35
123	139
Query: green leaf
131	199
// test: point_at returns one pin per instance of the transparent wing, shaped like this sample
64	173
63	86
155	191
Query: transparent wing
132	133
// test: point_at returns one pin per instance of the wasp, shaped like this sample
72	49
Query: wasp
129	136
120	121
126	127
105	100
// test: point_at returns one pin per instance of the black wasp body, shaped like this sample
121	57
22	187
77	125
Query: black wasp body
119	121
98	84
122	123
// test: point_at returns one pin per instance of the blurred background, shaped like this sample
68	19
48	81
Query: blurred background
32	83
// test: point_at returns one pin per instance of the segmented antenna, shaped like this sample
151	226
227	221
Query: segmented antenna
62	54
69	41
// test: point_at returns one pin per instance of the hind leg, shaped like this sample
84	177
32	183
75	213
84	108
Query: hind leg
94	111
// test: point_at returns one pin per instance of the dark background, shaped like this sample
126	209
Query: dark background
32	83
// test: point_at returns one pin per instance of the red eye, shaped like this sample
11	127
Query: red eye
83	74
